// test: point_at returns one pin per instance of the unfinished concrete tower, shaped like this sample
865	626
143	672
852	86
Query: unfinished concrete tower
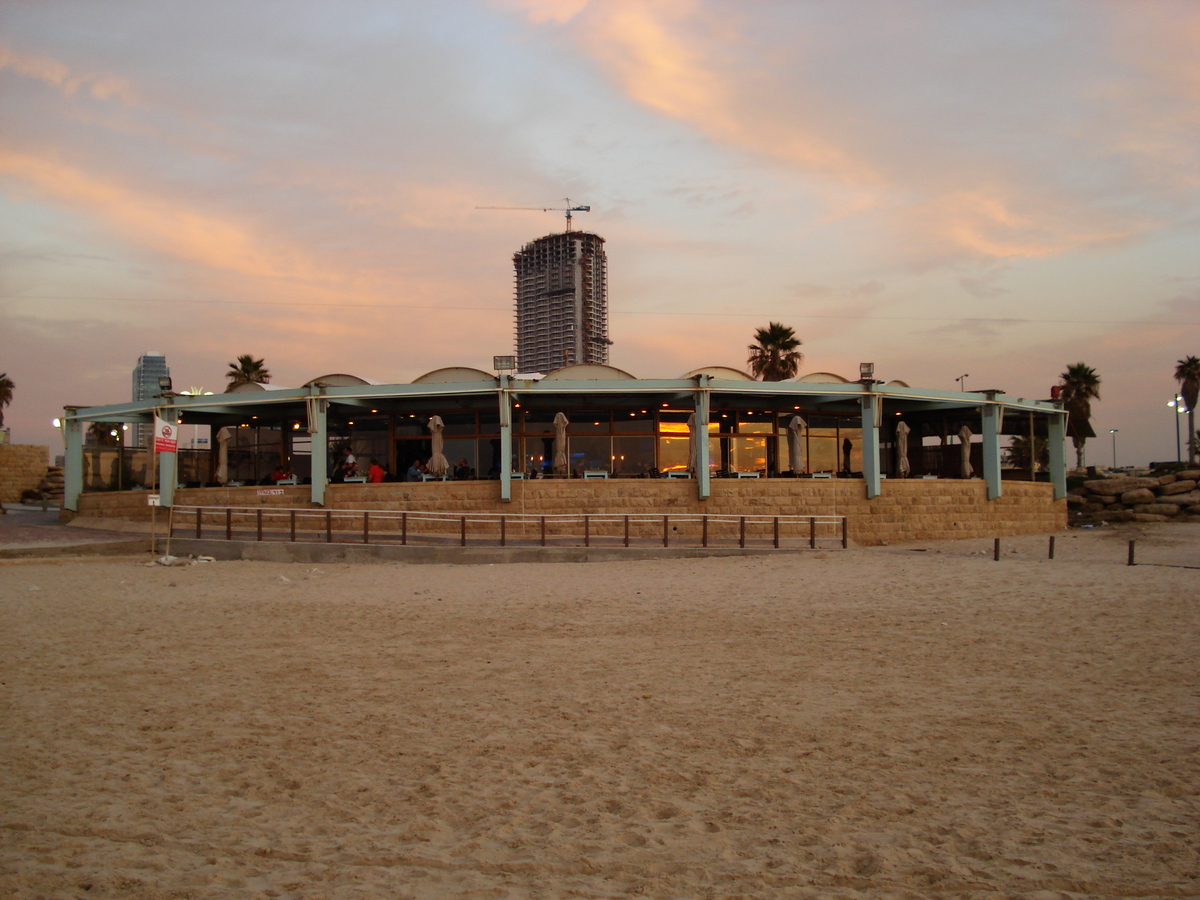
562	302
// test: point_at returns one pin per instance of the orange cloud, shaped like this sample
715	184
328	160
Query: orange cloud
987	225
166	226
56	74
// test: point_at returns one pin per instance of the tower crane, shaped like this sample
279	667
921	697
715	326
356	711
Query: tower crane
568	209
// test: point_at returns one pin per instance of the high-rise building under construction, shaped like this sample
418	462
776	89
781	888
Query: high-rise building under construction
562	302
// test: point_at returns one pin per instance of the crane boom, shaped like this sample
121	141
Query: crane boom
568	209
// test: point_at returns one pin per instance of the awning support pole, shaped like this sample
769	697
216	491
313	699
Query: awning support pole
992	413
702	413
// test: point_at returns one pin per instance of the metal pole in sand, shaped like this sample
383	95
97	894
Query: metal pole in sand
1051	556
996	550
1132	544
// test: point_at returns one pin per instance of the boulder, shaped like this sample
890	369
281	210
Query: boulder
1093	507
1164	480
1118	515
1178	487
1190	474
1103	498
1119	485
1074	500
1194	510
1157	509
1148	517
1181	499
1137	496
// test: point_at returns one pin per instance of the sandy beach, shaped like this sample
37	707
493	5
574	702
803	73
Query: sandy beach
901	722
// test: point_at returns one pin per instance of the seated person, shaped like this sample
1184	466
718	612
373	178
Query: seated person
375	474
462	472
414	471
278	475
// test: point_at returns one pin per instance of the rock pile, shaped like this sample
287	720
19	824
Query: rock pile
52	484
1127	498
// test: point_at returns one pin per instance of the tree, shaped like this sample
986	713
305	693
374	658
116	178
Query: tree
774	357
1017	453
1187	373
247	370
1080	386
6	391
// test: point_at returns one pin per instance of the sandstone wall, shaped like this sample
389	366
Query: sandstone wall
22	468
906	510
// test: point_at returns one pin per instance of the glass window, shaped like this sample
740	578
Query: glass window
589	421
590	454
749	454
537	421
673	453
638	421
635	455
489	422
410	426
459	423
756	422
822	449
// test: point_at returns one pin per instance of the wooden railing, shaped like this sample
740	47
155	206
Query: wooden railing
502	530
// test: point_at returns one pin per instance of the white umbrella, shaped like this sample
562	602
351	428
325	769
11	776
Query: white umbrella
692	451
224	436
560	444
964	435
902	466
795	432
438	464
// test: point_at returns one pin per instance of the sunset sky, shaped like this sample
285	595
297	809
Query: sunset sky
991	188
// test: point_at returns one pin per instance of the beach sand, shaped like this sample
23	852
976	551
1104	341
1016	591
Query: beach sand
908	722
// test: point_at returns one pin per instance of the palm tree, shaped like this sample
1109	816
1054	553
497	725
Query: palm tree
774	357
1080	385
1187	373
6	392
1017	453
247	370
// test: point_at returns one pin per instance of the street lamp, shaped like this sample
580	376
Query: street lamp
1179	407
1113	432
962	381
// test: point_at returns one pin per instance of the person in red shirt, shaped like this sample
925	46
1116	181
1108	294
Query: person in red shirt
375	473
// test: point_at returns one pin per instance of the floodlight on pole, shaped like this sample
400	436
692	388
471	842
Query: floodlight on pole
962	381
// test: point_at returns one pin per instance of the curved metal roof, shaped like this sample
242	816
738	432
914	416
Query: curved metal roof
589	372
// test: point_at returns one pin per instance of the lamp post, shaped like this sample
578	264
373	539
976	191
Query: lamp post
1113	432
962	381
1180	409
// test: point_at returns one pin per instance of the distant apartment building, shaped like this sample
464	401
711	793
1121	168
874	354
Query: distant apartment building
561	302
150	367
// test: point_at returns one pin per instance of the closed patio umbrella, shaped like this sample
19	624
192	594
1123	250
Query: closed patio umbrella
560	444
795	436
438	464
902	467
964	435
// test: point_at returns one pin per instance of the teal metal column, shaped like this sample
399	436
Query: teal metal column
505	401
167	466
72	430
702	413
872	406
1056	432
992	413
317	415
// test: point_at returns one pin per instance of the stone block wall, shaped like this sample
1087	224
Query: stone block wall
906	510
22	468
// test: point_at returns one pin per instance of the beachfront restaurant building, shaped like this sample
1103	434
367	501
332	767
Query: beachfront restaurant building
584	424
